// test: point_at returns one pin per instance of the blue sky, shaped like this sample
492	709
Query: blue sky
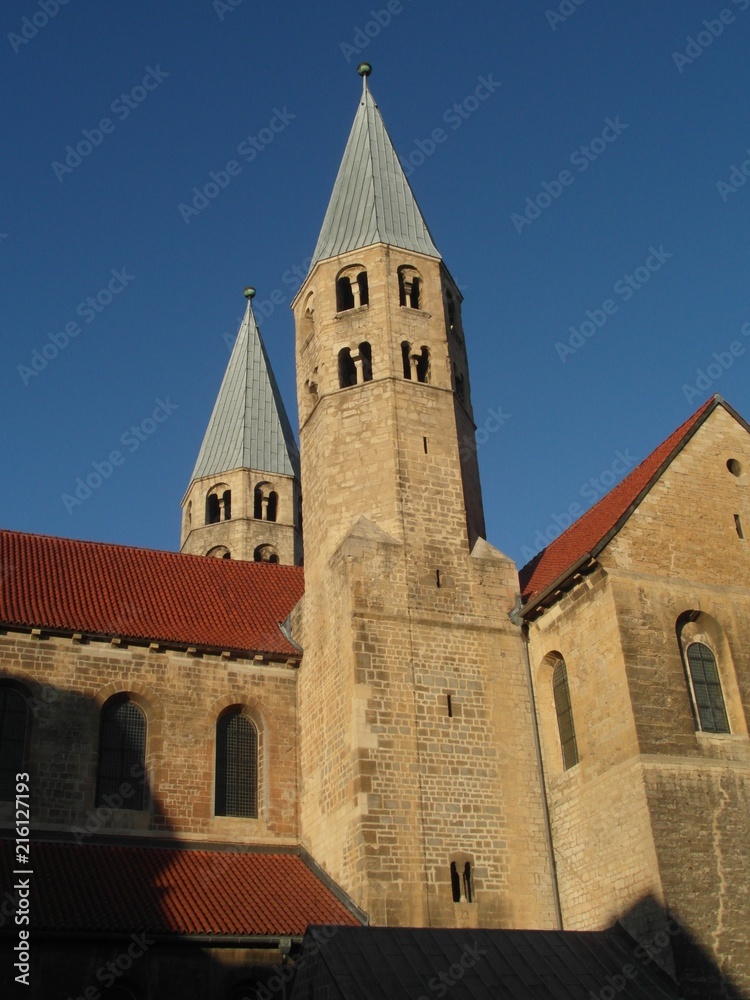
599	183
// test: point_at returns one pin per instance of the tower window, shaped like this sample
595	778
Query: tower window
218	504
266	553
707	694
738	526
409	288
450	308
13	726
564	713
462	882
272	506
466	879
423	365
122	752
405	352
458	381
219	552
352	288
212	509
455	883
236	766
364	292
365	356
347	369
344	294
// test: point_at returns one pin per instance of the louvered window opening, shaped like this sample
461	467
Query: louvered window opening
564	711
709	700
13	721
236	767
122	754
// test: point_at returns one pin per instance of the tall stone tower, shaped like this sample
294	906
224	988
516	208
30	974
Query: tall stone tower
243	501
421	790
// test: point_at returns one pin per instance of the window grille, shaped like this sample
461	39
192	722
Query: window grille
709	701
122	753
236	766
564	715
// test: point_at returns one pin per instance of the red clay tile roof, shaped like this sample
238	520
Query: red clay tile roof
610	513
114	590
94	888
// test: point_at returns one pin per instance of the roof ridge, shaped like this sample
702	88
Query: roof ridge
137	548
679	437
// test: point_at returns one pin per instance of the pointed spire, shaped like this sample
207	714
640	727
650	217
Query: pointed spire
372	201
249	427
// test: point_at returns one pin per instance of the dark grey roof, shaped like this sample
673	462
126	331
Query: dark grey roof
372	201
249	428
388	963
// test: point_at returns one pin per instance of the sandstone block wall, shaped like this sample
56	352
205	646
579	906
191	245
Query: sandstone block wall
182	697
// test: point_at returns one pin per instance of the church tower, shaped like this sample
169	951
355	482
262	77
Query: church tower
421	790
243	501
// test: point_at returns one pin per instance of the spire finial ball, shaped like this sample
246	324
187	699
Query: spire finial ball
249	292
364	69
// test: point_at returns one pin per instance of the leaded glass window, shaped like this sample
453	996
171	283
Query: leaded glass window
122	754
709	701
564	715
236	766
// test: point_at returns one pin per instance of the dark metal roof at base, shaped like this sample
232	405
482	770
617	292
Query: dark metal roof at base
383	963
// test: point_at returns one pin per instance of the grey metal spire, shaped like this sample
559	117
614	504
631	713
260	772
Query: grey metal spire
249	427
372	201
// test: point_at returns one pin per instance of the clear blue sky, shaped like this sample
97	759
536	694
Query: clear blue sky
200	78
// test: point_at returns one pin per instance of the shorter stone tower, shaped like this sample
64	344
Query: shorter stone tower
243	501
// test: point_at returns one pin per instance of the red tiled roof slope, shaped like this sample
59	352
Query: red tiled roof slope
115	590
93	888
583	536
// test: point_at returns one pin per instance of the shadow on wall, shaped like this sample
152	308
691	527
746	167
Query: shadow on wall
663	942
103	919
